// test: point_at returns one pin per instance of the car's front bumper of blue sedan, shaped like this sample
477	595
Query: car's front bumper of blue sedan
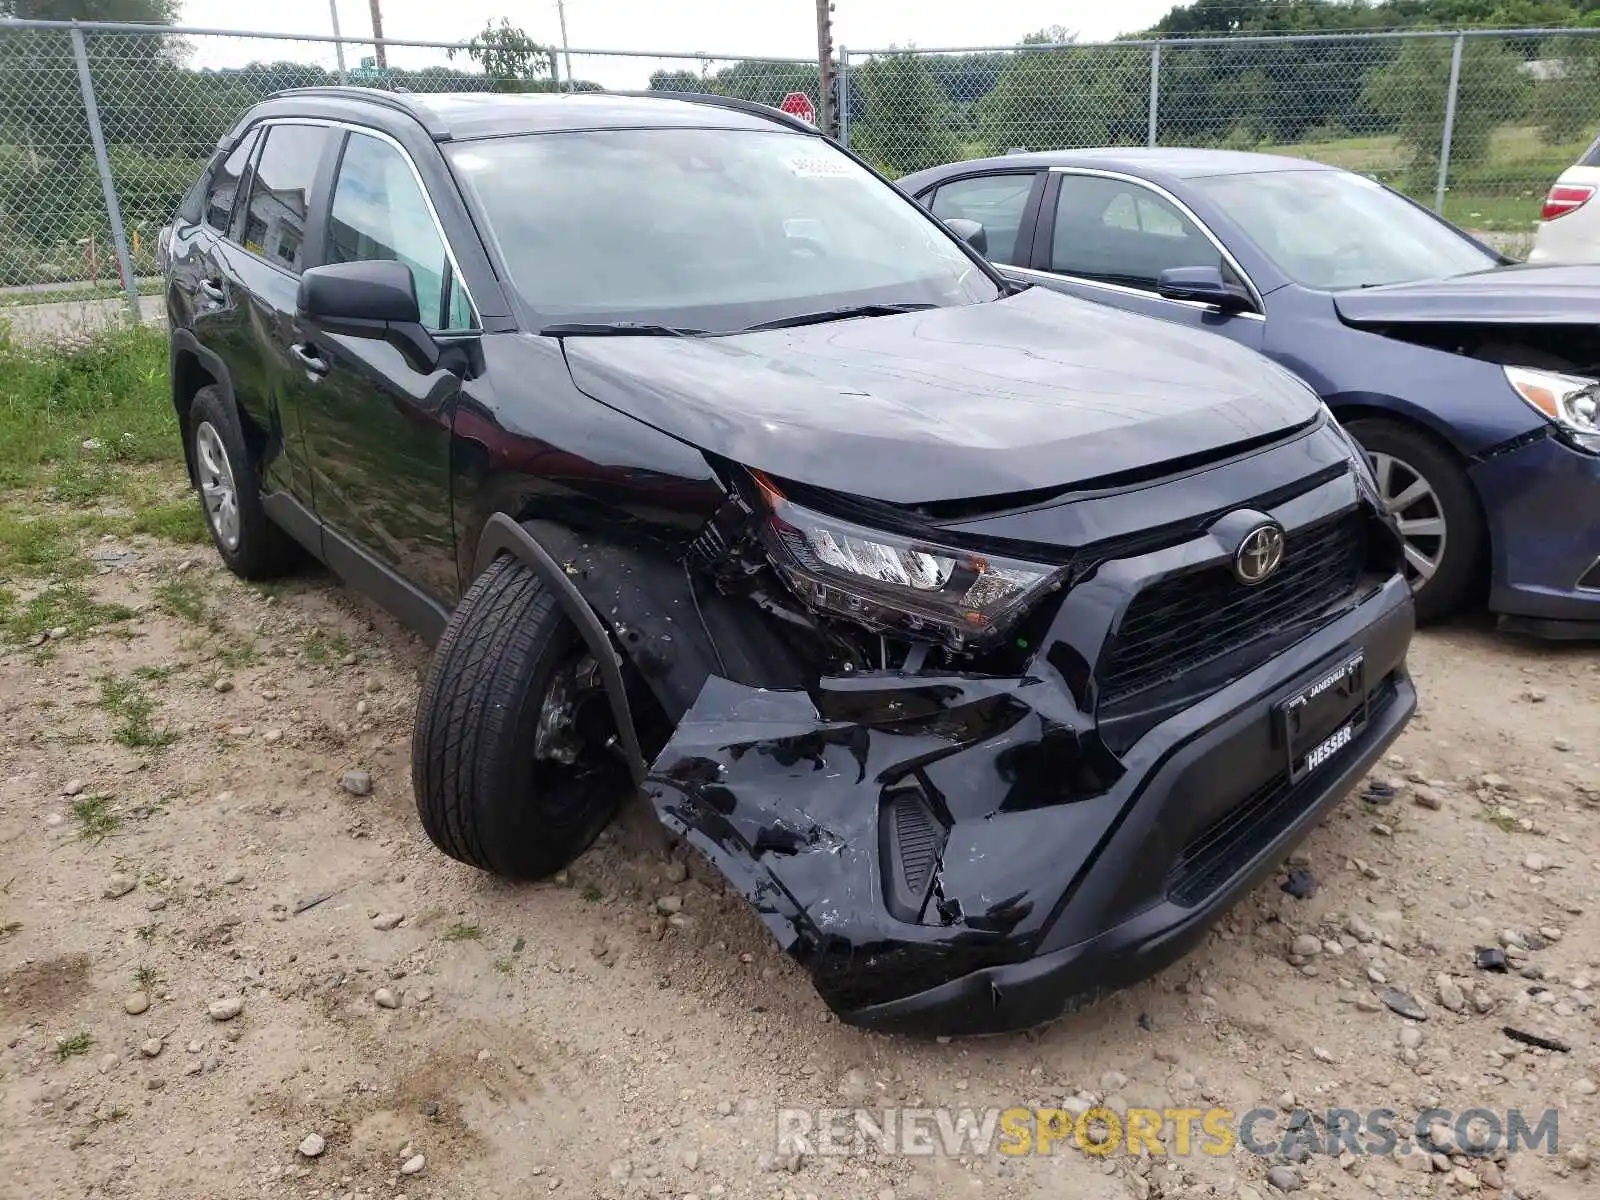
1542	502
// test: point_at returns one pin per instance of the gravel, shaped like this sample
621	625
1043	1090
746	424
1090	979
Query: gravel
1284	1179
1404	1004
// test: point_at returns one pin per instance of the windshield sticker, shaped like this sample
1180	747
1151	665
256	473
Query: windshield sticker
818	167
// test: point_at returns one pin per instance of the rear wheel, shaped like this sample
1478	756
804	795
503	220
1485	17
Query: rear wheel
1427	491
230	493
513	760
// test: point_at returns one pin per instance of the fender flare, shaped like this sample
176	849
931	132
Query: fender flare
502	535
183	342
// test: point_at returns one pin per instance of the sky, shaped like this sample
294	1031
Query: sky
738	27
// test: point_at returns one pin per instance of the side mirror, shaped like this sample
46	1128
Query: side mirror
368	300
1203	284
970	232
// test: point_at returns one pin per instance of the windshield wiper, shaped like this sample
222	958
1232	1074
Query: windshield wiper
838	314
618	329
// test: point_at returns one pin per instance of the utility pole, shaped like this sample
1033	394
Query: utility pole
561	11
338	46
825	65
377	34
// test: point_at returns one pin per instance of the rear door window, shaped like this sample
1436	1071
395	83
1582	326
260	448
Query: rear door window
224	185
997	202
280	193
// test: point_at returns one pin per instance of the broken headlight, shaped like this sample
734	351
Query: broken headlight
1571	401
889	581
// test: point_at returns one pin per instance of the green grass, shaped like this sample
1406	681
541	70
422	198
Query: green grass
182	596
65	605
242	654
320	647
505	966
177	520
88	445
592	894
96	820
131	712
461	931
111	391
146	977
72	1044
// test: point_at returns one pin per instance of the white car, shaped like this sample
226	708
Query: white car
1569	226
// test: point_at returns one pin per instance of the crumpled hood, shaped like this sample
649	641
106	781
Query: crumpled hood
1033	391
1528	294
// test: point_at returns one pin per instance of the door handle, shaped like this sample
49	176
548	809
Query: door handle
308	358
212	290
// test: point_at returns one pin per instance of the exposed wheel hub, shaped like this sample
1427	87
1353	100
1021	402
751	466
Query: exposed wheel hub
567	715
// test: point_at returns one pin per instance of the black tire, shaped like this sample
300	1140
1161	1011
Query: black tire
483	797
1460	568
258	549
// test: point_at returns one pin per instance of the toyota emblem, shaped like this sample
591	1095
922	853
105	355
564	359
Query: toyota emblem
1259	554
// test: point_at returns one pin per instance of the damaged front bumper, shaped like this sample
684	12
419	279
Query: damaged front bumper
961	854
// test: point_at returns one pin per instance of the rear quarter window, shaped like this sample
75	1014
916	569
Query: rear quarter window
1591	156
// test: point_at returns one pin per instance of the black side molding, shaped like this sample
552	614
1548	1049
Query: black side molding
502	535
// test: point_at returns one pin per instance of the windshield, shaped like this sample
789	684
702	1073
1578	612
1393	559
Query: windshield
1333	230
712	229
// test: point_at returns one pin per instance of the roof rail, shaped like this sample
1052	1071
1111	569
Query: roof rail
733	102
400	101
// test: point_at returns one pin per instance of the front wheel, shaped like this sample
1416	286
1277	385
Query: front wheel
514	759
1432	501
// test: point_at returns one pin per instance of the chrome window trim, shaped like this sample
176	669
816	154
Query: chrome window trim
1189	213
367	131
1120	289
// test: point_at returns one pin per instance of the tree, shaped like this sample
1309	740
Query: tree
154	12
905	121
1410	93
1566	104
1072	96
512	60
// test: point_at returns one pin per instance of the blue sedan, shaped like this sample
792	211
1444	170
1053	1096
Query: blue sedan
1469	380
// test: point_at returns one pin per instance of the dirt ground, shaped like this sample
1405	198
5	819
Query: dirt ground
566	1038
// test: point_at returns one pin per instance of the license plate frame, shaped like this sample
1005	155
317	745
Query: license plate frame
1322	716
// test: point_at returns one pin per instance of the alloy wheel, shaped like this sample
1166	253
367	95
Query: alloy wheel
1410	498
217	488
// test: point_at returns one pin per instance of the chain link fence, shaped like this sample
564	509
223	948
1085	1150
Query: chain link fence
77	217
103	128
1476	124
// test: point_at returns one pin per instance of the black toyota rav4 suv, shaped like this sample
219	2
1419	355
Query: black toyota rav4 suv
990	641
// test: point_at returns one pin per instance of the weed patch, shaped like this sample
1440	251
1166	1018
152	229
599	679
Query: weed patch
131	712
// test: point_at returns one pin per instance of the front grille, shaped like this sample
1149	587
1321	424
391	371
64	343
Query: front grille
1184	622
1223	849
